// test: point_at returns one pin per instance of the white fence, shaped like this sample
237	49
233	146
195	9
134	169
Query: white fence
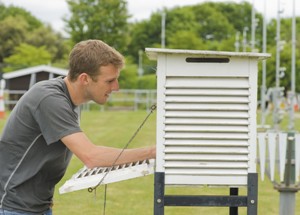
12	101
125	99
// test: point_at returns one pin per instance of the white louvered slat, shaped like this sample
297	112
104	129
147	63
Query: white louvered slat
206	157
241	114
212	136
207	83
207	92
206	171
206	106
208	99
205	121
207	142
206	165
206	150
206	127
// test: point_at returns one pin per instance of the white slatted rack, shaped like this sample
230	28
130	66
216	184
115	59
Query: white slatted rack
88	178
273	148
206	116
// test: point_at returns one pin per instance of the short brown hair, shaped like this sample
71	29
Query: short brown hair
89	55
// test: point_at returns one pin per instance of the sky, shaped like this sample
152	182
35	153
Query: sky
52	11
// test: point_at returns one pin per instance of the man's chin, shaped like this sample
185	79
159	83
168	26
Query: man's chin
102	102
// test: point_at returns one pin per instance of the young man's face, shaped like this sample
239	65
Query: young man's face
107	82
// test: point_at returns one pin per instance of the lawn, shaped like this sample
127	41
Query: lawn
135	196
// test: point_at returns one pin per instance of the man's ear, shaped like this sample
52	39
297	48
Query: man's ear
84	78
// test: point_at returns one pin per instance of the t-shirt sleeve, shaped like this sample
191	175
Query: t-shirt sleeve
57	118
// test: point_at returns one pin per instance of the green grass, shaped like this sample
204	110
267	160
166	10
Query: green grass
135	196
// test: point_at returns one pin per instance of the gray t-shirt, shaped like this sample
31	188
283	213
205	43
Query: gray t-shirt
32	157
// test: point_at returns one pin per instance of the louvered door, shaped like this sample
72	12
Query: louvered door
206	129
206	117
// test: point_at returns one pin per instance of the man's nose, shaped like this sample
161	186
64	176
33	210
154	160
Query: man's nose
115	86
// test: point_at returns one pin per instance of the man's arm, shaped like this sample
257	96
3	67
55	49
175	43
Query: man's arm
94	156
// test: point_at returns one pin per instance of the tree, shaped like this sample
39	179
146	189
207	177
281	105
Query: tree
128	76
52	41
213	24
96	19
12	33
146	33
19	26
202	26
12	11
238	15
181	19
185	40
26	56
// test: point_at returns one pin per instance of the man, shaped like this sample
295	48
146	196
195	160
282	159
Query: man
42	131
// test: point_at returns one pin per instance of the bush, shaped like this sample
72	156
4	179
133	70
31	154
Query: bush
147	82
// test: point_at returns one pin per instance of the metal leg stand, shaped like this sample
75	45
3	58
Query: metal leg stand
233	201
159	193
234	210
252	194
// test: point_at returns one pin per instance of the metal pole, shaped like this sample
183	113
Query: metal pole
163	30
293	88
293	71
237	41
288	189
278	46
264	68
287	203
245	38
277	91
140	68
253	26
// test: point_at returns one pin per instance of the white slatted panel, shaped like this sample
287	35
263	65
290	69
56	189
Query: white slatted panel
206	130
89	178
297	157
262	153
282	144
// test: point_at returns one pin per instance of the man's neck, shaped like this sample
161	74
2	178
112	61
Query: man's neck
75	94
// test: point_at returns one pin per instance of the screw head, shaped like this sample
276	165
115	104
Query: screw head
158	200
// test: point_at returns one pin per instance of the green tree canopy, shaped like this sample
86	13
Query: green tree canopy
203	26
54	43
12	33
19	26
96	19
12	11
27	55
185	40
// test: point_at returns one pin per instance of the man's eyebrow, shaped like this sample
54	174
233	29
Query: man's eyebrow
112	79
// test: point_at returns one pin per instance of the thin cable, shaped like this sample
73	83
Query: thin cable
105	194
153	107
